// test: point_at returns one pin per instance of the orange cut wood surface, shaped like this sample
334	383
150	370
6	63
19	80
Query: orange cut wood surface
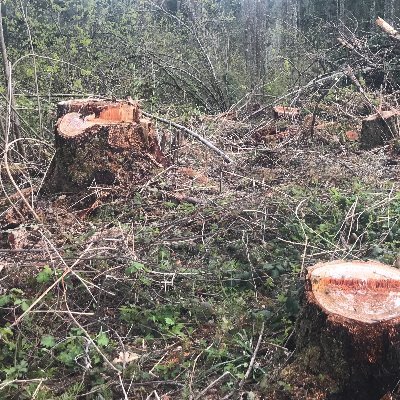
352	136
289	112
73	124
367	292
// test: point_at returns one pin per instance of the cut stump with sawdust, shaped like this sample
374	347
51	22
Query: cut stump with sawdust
379	128
101	142
348	332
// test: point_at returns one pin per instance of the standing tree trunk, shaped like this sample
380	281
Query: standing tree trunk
15	124
389	10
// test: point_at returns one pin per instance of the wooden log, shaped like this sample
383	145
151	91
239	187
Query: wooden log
378	128
348	333
387	28
101	142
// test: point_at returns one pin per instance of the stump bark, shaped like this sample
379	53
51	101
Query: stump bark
379	128
102	142
348	333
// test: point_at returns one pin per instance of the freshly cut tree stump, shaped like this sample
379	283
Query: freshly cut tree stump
285	112
379	128
102	142
348	333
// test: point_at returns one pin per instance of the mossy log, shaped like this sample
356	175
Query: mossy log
378	128
348	333
102	142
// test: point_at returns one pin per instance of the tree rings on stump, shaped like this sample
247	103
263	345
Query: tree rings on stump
102	142
348	332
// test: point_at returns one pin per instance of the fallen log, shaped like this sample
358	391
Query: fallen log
387	28
378	128
348	333
101	142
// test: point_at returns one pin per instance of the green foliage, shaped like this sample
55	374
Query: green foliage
48	341
358	218
44	275
135	267
102	339
15	297
18	370
162	320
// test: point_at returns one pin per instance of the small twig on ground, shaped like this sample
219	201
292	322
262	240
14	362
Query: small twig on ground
7	168
194	367
122	386
253	358
67	270
156	396
211	385
251	365
85	332
23	381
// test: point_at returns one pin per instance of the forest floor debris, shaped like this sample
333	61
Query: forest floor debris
173	282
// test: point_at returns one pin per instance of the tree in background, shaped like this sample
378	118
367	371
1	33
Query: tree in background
208	55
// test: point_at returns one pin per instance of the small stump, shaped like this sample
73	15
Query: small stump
377	129
285	112
348	332
101	142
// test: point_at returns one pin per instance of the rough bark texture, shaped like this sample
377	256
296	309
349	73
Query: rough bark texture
379	128
348	334
102	142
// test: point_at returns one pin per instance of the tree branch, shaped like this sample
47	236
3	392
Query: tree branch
191	133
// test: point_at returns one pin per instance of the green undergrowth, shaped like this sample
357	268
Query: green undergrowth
187	297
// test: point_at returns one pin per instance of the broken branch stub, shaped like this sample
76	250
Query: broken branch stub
349	328
102	142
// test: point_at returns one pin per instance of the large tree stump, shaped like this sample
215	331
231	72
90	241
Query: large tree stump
379	128
348	334
101	142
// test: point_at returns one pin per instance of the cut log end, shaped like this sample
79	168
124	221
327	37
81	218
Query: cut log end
365	292
74	124
117	111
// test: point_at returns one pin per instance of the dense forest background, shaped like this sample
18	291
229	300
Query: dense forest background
206	54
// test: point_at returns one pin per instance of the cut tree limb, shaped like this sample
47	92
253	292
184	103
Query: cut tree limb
191	133
388	29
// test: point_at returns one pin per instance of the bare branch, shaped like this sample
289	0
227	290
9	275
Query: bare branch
191	133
